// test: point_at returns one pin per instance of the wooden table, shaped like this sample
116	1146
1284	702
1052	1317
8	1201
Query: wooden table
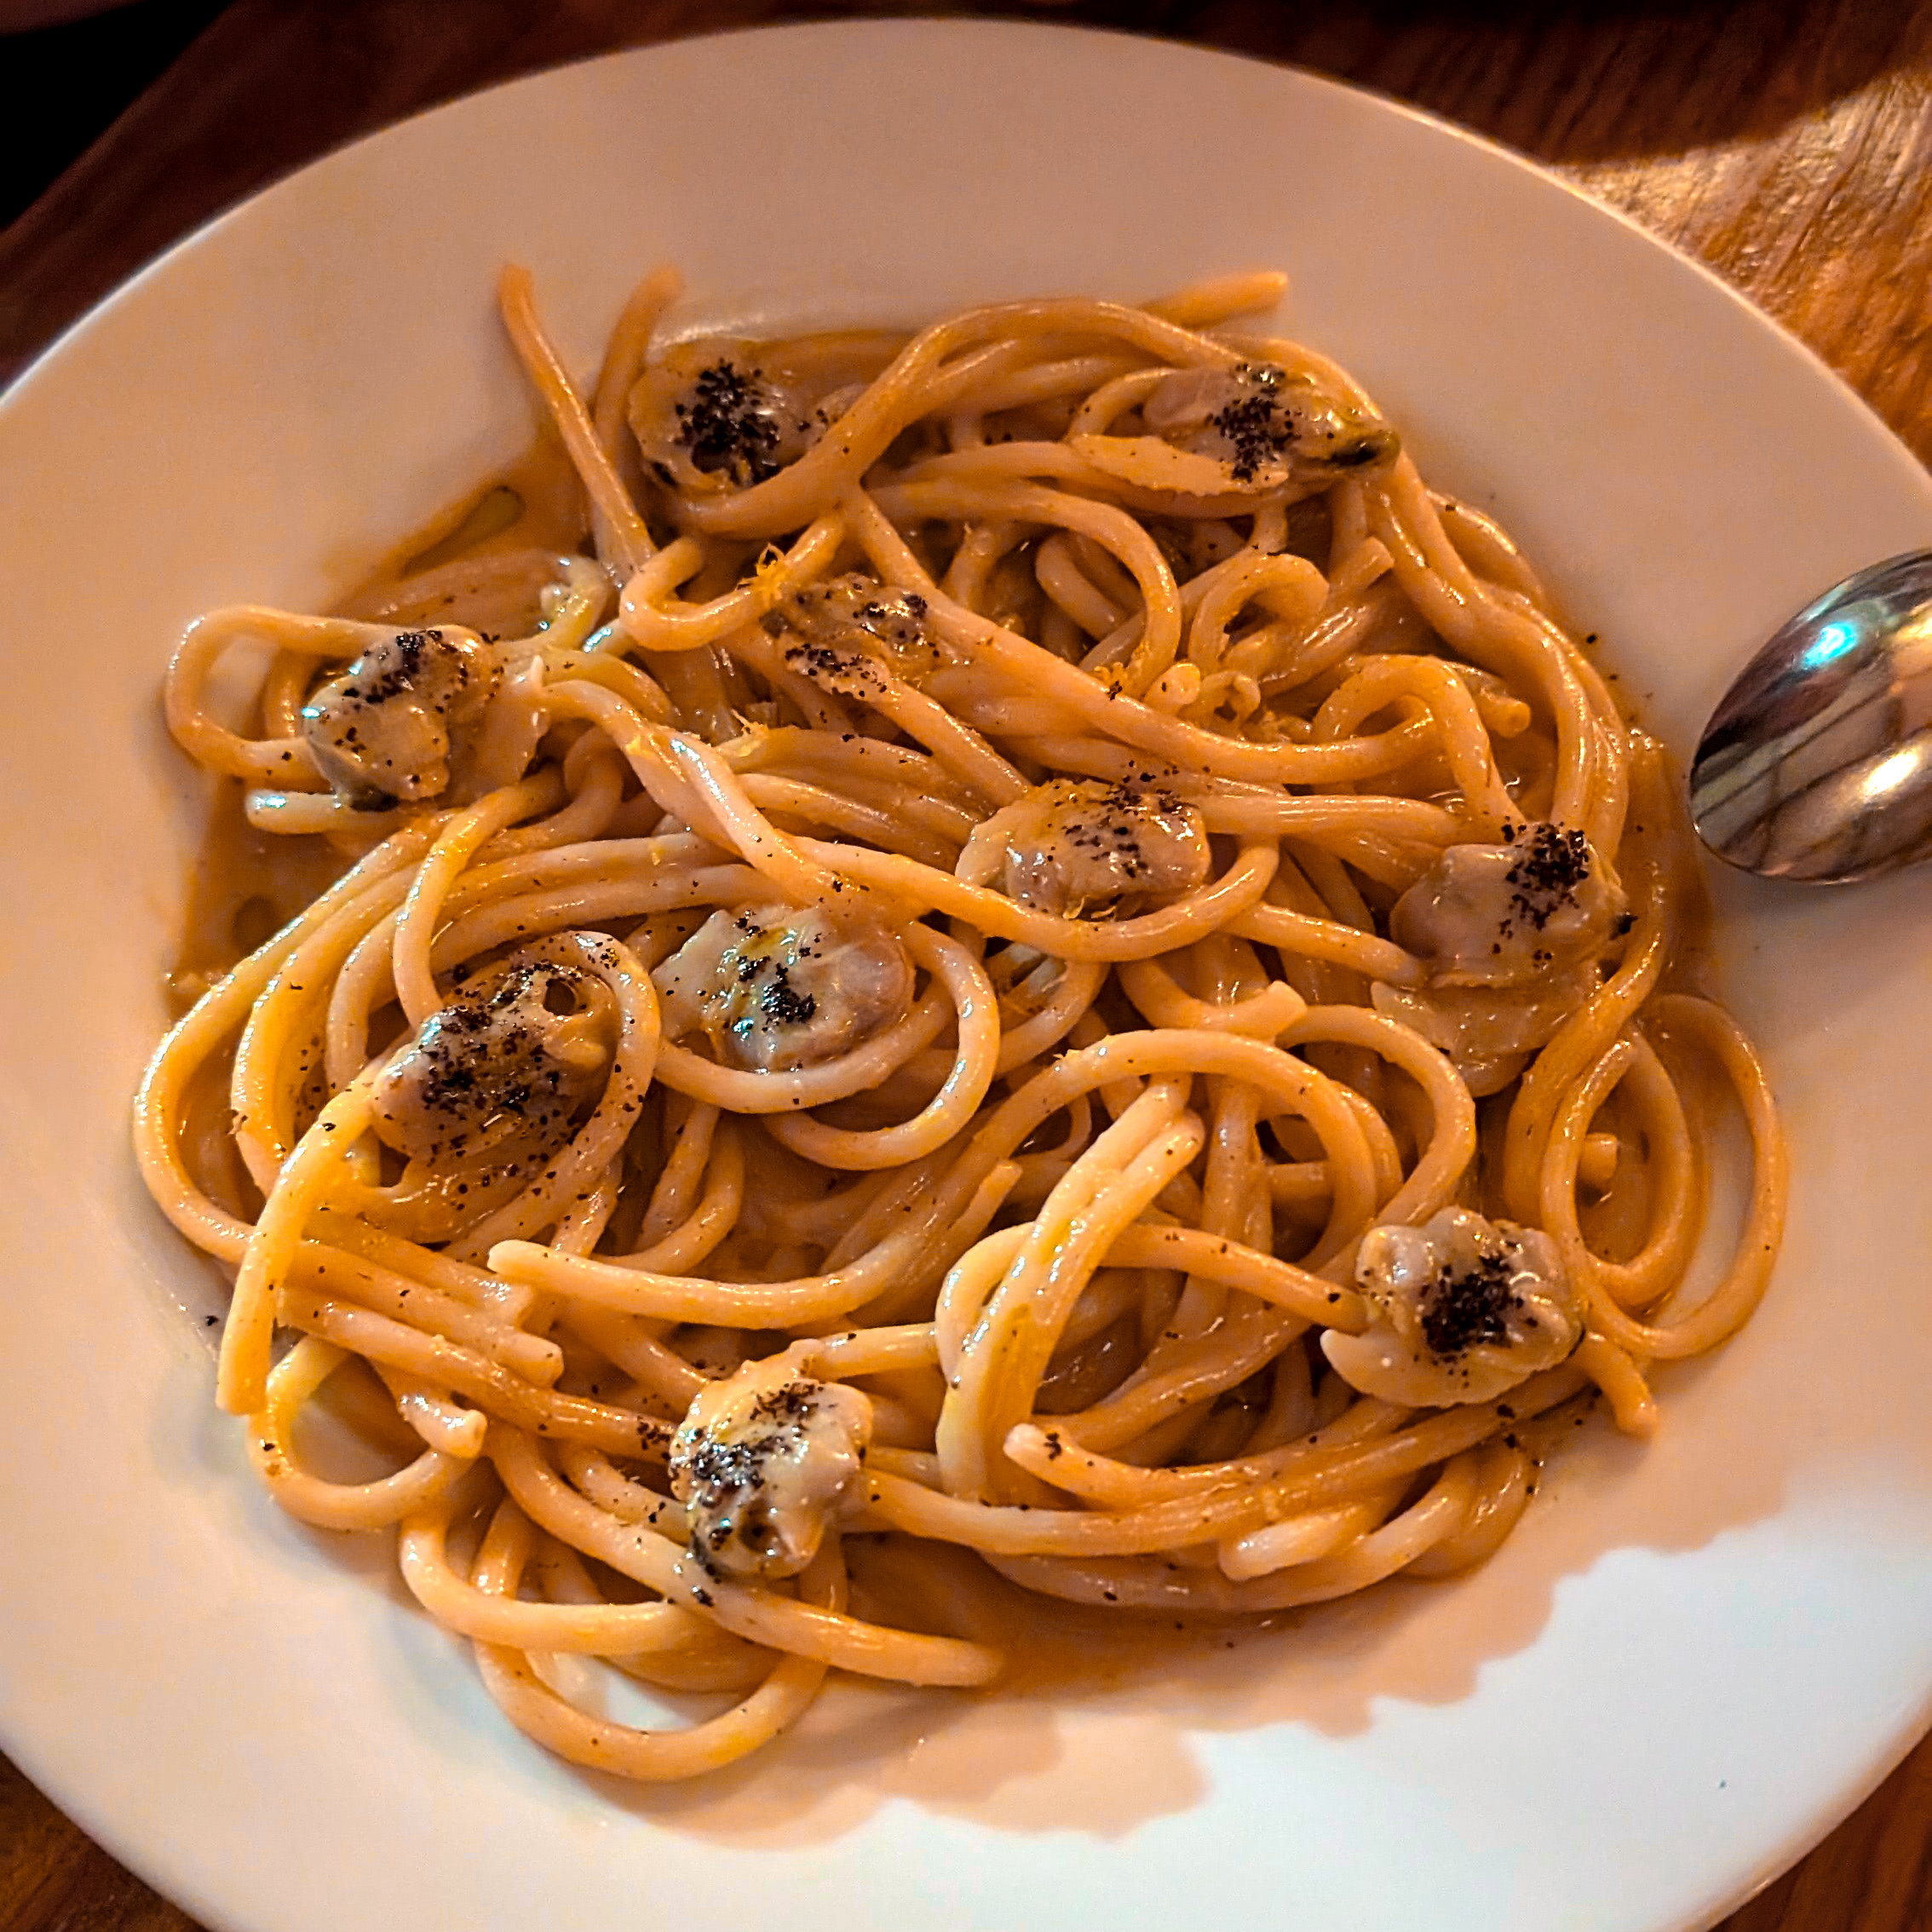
1788	143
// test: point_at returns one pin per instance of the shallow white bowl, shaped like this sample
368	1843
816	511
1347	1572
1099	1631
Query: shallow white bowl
1689	1662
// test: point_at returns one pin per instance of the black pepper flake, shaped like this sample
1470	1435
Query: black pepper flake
1463	1310
1548	869
728	424
1255	422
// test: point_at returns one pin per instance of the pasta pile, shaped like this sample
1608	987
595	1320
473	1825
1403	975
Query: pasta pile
1013	942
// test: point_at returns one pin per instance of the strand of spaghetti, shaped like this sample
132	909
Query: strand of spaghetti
442	1422
1216	1257
1057	568
1030	1313
1001	1359
1729	1304
708	1659
1075	990
594	776
1487	548
968	1283
977	1012
1288	587
655	619
1464	736
621	535
333	1505
1327	940
626	351
1504	1484
1184	1372
874	1351
650	1757
1047	1449
680	851
509	1301
335	1271
1609	796
712	1217
1616	1373
1227	805
1329	1476
1264	1015
1674	1216
988	466
1143	1585
814	807
1287	815
691	781
1438	582
1000	917
457	843
956	747
593	1630
262	1094
603	666
864	1066
662	1376
882	772
1674	1184
596	1477
242	1374
1035	383
284	761
861	1214
1433	1181
760	1304
497	1390
759	1616
592	907
1300	1539
688	1131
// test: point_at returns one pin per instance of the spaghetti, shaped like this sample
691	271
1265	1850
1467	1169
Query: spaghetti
1011	942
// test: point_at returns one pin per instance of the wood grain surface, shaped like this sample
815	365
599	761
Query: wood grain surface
1787	143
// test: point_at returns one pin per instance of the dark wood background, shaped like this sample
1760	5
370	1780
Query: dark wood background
1787	143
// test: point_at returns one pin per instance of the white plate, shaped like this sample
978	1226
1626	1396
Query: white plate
1690	1661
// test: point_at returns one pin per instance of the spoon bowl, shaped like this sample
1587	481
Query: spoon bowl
1817	765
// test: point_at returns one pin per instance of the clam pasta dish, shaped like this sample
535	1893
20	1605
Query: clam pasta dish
1007	952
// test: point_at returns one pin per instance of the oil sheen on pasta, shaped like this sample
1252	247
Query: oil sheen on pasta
1008	953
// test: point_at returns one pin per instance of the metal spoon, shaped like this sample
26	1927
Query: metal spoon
1818	764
